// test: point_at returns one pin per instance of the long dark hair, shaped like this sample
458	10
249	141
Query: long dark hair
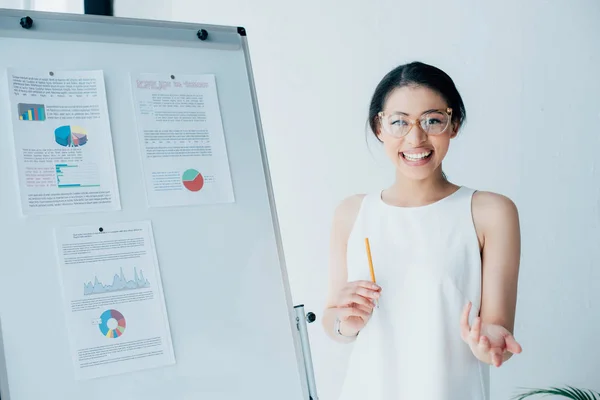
417	74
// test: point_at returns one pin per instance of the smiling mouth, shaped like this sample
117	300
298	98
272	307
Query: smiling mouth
417	156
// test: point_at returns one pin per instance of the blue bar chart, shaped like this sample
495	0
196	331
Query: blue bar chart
77	175
32	112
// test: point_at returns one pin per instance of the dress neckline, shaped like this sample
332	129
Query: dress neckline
425	206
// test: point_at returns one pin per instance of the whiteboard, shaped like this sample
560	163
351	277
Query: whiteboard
222	268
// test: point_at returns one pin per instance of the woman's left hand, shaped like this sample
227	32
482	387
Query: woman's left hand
490	343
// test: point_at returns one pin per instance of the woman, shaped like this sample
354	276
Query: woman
446	259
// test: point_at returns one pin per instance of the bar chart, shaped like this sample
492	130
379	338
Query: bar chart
77	175
32	112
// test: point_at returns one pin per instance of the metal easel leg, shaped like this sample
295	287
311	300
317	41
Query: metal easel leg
301	320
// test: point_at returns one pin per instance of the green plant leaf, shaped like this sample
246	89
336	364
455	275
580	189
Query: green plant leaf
568	391
583	394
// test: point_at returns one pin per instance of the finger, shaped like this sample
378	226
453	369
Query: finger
484	345
496	358
475	331
368	310
464	321
345	313
358	299
512	345
348	299
366	284
370	293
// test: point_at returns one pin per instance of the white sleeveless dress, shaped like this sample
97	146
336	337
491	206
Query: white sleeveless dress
427	261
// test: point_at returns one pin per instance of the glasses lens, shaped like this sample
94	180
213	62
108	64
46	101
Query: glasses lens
435	122
396	125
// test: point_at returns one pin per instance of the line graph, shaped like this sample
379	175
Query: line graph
119	283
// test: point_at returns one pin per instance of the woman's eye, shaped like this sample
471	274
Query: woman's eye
399	122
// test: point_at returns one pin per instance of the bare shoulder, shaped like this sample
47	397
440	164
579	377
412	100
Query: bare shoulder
347	211
493	205
494	211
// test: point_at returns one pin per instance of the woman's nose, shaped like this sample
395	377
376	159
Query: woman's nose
416	136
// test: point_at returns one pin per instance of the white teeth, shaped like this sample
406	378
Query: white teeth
416	156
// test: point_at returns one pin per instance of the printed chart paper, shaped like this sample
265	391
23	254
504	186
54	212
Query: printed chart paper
113	297
62	141
184	155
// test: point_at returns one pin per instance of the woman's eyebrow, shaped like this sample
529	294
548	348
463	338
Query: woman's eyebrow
426	111
399	112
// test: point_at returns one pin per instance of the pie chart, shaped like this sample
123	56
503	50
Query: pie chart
112	324
192	180
70	136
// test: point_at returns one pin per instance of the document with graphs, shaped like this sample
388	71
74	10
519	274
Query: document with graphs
62	142
113	299
182	141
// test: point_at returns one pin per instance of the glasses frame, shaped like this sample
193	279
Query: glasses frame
414	122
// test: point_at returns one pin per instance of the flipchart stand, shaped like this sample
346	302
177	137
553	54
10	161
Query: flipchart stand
301	320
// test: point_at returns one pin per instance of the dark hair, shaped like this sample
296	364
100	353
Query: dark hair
417	74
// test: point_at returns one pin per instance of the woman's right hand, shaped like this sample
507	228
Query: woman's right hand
353	305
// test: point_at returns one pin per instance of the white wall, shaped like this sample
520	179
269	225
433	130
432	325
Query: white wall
65	6
528	74
14	4
148	9
68	6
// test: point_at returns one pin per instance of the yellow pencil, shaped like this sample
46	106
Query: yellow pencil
368	246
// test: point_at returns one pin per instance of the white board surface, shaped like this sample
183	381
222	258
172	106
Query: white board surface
221	265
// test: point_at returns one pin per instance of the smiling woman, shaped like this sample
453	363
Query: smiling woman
446	258
424	84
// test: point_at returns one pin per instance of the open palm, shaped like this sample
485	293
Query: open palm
488	342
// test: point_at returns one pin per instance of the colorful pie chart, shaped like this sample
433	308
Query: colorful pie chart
112	324
192	180
70	136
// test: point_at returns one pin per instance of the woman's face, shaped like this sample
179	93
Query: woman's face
416	155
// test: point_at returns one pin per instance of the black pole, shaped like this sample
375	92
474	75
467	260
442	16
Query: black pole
98	7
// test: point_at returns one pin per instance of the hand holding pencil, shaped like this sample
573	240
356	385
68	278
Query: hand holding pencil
355	301
354	305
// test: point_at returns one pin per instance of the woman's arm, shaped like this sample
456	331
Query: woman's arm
343	221
501	254
496	220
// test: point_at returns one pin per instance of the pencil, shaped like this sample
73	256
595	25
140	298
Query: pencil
371	269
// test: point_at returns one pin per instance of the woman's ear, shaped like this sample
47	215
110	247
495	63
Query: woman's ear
377	128
455	128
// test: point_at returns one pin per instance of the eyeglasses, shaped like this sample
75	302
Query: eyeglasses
433	122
